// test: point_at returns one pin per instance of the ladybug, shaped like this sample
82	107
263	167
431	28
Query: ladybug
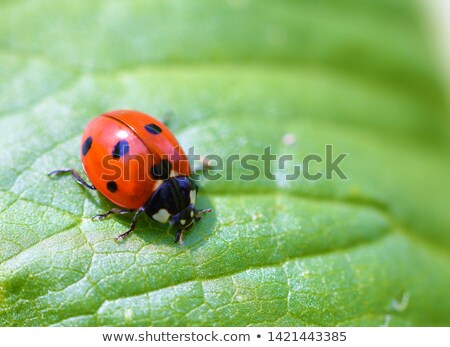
137	163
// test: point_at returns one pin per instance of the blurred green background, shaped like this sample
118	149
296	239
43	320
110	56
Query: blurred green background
236	76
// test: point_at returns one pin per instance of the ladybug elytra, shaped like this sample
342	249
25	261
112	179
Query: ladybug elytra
136	162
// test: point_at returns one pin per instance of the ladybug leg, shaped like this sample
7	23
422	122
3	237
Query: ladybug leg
75	175
102	216
179	237
132	226
198	214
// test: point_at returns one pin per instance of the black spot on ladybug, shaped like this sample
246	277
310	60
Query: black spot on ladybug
120	149
161	171
112	186
86	145
153	129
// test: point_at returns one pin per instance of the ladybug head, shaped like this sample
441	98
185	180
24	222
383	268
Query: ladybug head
174	202
184	220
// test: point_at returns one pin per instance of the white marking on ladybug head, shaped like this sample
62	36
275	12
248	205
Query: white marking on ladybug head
157	184
192	214
183	221
162	216
193	196
174	173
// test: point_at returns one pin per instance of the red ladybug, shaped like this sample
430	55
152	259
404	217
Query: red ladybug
136	163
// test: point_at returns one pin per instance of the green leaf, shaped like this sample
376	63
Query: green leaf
238	76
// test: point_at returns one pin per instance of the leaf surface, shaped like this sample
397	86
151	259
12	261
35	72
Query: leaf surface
236	76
